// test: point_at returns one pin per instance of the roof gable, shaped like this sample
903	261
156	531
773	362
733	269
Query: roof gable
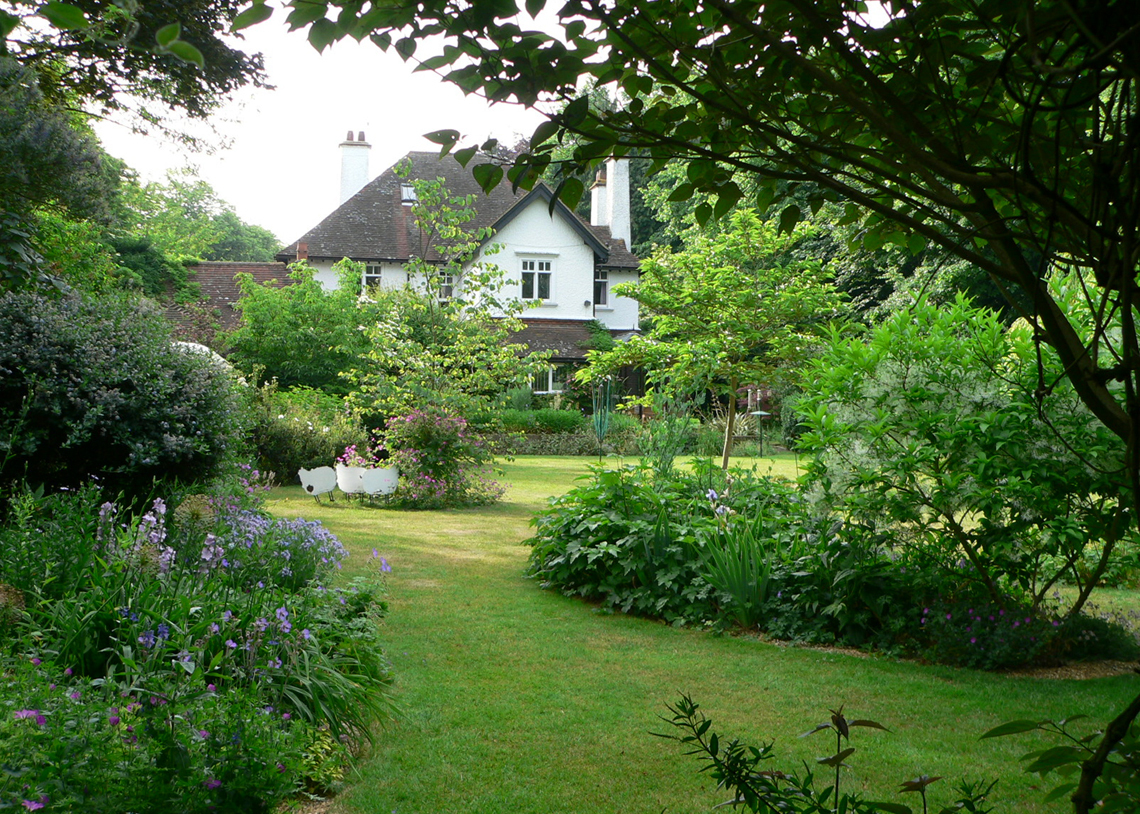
375	225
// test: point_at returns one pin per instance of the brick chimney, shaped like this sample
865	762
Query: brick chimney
353	165
302	251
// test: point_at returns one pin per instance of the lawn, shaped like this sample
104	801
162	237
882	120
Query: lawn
519	700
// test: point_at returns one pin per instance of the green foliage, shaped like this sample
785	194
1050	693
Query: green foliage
1097	775
93	386
442	462
124	56
443	341
742	770
301	334
555	421
299	428
151	271
197	647
934	432
726	312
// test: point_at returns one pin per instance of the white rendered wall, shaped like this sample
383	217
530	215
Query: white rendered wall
353	167
622	312
535	235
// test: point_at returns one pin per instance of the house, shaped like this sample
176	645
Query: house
556	261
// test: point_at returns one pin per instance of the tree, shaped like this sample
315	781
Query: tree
444	339
301	334
725	312
114	55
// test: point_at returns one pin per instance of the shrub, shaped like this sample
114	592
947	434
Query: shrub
442	463
93	386
556	421
513	420
299	428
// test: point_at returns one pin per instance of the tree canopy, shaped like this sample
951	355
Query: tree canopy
1004	132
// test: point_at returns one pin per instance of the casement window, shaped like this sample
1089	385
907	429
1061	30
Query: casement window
551	380
446	286
407	193
371	276
536	276
601	288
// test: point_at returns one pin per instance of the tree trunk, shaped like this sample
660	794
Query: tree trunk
729	426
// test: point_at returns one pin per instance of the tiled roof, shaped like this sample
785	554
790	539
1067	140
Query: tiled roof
374	224
216	280
567	339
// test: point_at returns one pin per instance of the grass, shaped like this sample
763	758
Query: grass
520	700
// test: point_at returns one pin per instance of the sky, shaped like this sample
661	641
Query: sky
281	168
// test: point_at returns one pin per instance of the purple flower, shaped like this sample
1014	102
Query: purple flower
712	495
286	626
375	553
227	615
203	734
285	716
147	639
231	644
163	631
33	714
33	805
75	696
305	634
67	672
282	614
214	627
114	720
211	783
211	688
261	624
36	661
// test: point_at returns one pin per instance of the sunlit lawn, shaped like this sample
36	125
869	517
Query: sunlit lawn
520	700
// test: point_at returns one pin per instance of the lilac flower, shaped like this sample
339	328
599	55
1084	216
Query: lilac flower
285	716
214	627
227	615
33	805
211	688
211	783
282	614
67	672
712	495
203	734
113	720
36	661
231	644
147	639
75	696
385	566
305	634
261	624
286	626
163	631
375	553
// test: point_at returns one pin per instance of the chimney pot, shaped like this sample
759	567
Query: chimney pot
360	136
302	251
349	136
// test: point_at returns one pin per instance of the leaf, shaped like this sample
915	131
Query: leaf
168	34
891	808
682	192
916	243
465	155
837	758
789	218
304	13
818	728
1011	728
533	7
8	23
1057	756
727	197
1059	792
543	132
64	16
322	34
702	213
187	53
257	13
487	175
444	138
570	191
918	784
575	112
869	724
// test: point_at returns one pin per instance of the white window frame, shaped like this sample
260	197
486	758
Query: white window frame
372	276
553	380
538	269
601	285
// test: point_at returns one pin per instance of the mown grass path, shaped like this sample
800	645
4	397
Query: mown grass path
520	701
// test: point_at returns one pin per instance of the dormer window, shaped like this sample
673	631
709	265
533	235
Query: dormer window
407	193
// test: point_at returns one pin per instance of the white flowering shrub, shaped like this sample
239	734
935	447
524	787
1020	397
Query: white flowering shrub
961	439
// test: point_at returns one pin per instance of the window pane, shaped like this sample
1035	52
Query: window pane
544	286
600	292
528	285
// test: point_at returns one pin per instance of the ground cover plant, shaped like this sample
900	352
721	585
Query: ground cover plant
705	547
191	657
518	699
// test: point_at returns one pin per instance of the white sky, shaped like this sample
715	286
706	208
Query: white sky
282	168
